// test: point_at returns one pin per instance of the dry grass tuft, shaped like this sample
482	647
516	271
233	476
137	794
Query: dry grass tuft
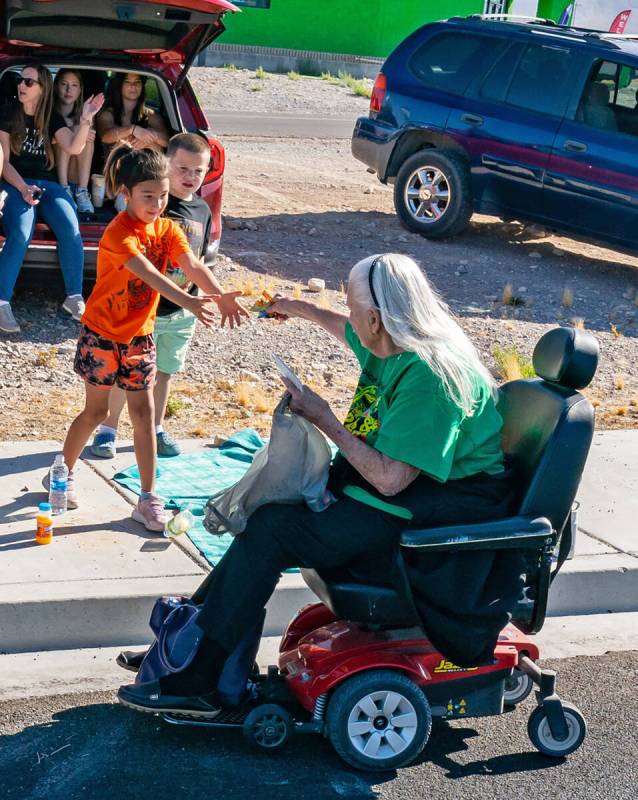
619	382
324	300
248	288
244	391
595	402
47	358
508	293
578	322
261	402
614	329
296	292
621	411
512	365
634	402
200	432
568	298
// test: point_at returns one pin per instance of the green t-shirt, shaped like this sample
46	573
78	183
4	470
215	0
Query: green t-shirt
401	408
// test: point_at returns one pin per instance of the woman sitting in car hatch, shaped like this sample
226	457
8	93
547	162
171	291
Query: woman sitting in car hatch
126	118
30	129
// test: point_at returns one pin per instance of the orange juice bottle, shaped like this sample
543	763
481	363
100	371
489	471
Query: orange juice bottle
44	520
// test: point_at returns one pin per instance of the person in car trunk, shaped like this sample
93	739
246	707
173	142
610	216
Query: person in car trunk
29	129
126	118
68	89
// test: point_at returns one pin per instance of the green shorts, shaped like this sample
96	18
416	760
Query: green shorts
172	335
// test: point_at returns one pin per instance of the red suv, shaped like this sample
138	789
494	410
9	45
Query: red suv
158	39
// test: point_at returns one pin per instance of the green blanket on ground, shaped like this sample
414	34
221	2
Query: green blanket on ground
188	480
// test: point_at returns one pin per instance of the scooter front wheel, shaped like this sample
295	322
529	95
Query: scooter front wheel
378	720
542	738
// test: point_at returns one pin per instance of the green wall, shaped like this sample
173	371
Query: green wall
355	27
551	9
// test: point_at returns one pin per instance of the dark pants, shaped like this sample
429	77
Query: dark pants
278	537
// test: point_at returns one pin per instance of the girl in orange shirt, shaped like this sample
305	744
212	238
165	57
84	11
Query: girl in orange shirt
116	341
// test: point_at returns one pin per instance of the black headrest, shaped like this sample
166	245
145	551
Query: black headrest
567	356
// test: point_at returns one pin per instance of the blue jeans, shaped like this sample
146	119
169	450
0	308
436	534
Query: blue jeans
57	210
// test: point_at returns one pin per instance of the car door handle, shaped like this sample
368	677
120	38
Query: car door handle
575	147
472	119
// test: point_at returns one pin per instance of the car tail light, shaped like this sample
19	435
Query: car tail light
217	160
378	92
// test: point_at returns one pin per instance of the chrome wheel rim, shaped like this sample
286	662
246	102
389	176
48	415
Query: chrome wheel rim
382	725
427	194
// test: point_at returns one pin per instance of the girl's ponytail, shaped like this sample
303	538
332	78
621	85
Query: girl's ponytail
113	168
128	167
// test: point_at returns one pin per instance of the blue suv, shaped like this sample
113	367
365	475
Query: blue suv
517	119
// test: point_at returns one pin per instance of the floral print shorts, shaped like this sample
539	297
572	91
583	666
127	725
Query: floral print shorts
103	362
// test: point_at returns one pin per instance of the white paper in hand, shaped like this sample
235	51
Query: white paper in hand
287	373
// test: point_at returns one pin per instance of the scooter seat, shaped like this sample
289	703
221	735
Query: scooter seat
360	602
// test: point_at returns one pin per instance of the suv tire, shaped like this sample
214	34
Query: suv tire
432	194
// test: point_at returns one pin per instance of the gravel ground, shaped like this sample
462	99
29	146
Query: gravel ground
226	89
296	209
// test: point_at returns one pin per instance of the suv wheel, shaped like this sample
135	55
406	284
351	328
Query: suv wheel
432	194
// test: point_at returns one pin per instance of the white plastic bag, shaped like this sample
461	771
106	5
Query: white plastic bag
292	467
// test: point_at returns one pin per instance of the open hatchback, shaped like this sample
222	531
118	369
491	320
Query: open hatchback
159	40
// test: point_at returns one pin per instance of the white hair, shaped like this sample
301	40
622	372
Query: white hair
417	320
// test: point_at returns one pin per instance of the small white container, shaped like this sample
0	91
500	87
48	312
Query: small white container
316	284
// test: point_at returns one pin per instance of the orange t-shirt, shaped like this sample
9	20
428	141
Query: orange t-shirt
121	305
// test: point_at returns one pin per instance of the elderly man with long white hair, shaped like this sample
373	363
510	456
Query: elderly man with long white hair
420	446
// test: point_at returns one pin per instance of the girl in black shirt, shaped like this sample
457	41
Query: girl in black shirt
28	130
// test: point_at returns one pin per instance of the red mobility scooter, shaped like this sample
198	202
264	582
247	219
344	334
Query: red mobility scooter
358	668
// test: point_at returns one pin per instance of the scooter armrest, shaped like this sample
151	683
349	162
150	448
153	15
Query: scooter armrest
512	533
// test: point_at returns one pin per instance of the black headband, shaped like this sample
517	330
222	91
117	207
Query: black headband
372	292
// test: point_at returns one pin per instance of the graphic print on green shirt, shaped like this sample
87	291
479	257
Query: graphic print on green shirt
401	408
363	418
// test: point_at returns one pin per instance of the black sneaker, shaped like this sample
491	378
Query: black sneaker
147	697
131	659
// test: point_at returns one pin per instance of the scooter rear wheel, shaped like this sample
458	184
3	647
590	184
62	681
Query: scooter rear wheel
378	720
268	727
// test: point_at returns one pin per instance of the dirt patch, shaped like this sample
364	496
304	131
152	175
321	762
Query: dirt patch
296	209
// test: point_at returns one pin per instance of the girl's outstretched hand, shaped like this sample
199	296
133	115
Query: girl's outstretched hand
230	309
92	105
202	308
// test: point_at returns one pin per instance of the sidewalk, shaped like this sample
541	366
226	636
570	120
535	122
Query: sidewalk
95	585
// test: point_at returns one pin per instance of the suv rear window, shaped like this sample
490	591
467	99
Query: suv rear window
449	61
542	80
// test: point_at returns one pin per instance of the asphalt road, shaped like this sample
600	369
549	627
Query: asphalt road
85	746
294	126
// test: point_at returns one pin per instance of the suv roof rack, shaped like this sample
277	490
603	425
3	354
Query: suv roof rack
514	18
538	23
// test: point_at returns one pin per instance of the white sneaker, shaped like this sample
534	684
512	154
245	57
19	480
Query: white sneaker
83	201
74	305
8	322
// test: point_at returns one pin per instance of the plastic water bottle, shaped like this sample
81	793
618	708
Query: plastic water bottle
58	478
179	524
